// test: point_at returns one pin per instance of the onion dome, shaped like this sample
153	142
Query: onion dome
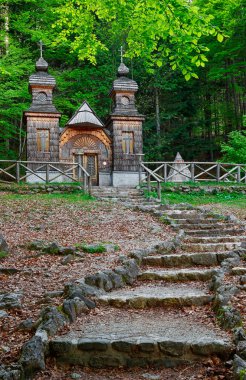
41	65
123	70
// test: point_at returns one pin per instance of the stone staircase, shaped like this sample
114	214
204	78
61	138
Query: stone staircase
162	319
119	194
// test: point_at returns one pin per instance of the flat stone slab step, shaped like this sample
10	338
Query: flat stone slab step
215	247
203	226
182	212
140	339
192	218
157	295
216	232
178	275
215	239
195	221
186	259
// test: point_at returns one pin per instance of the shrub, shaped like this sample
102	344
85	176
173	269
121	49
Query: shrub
235	150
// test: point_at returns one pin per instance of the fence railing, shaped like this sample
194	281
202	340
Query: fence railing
47	172
162	172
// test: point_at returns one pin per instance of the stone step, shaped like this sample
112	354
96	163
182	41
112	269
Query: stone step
215	239
178	275
130	340
120	199
210	247
196	221
203	226
105	195
186	259
215	232
152	295
182	213
191	217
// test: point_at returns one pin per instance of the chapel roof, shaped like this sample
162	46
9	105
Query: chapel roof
85	116
123	83
42	77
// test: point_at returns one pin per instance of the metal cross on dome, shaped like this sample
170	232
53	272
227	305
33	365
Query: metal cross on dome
121	54
41	45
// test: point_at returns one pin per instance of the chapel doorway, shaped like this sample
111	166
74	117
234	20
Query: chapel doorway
90	162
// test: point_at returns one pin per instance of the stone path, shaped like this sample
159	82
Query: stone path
151	328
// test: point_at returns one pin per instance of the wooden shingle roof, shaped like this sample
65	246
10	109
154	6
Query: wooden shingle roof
85	116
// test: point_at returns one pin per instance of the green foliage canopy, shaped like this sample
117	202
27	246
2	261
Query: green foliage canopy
156	31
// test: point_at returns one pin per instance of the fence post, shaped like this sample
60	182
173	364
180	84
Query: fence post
139	173
159	190
139	169
165	172
89	185
17	172
238	174
218	173
85	182
47	173
79	172
192	170
148	179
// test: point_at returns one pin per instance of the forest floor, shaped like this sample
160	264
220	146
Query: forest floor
69	220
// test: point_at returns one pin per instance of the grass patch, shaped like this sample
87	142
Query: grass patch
165	220
233	199
203	184
3	254
87	248
67	197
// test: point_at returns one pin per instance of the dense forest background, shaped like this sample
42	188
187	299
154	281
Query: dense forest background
183	113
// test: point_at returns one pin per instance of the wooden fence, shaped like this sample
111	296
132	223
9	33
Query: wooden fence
162	172
47	172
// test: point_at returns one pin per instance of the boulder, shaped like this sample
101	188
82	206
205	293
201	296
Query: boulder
101	280
52	320
239	334
239	368
80	289
32	356
27	325
13	372
67	250
67	259
230	317
124	273
115	278
52	248
10	301
3	245
132	268
36	245
241	349
74	307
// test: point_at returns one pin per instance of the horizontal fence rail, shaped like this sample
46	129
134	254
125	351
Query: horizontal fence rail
162	172
47	172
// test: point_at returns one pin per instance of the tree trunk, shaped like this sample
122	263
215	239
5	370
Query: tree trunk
5	16
157	112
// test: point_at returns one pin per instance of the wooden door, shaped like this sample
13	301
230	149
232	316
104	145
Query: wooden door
91	166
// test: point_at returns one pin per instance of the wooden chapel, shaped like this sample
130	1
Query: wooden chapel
109	152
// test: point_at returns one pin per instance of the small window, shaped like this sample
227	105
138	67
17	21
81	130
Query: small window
43	140
128	142
41	97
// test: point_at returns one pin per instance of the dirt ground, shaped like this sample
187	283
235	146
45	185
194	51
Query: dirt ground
66	222
24	219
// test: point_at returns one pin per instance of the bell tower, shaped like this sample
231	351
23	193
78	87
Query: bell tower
42	118
125	124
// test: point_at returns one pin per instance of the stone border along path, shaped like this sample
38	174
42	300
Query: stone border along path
172	275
